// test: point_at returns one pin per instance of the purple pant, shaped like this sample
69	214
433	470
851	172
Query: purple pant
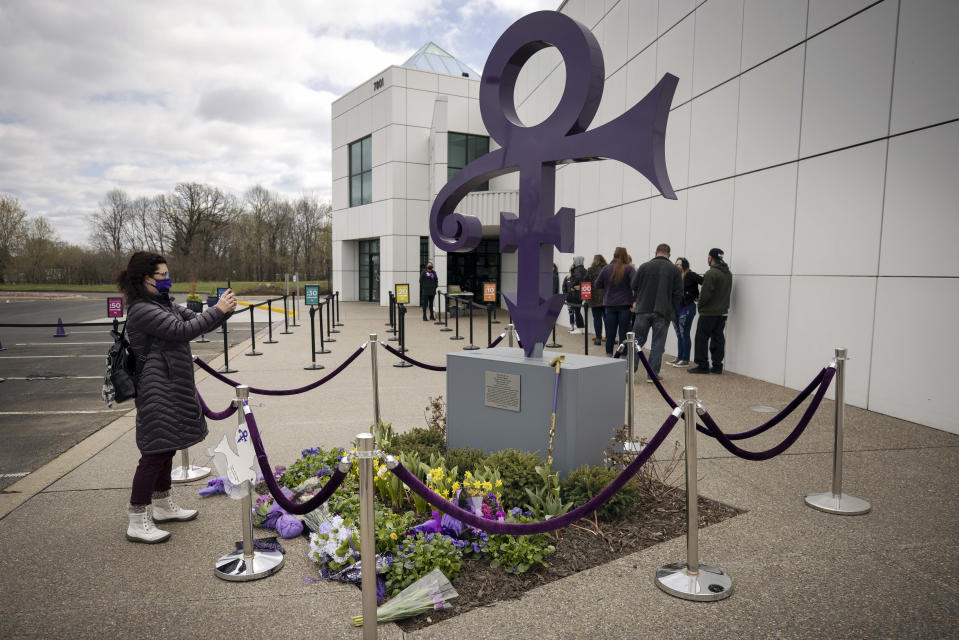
152	475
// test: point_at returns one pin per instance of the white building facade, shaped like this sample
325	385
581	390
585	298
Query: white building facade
815	141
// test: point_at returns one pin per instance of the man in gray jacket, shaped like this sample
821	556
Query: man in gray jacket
658	286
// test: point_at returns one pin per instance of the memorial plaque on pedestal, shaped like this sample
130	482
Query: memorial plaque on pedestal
499	399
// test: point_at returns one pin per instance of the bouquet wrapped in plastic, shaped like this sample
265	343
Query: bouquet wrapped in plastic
429	593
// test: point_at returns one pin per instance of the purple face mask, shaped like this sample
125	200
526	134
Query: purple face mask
163	286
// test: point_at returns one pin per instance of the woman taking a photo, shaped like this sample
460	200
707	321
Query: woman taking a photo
169	417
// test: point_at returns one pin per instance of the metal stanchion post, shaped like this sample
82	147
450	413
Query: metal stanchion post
330	319
401	314
446	316
269	325
323	349
376	381
836	501
553	344
293	299
691	580
338	323
585	330
226	352
365	452
489	324
313	366
253	351
187	472
201	339
471	346
439	307
496	304
389	295
248	564
509	334
286	316
456	301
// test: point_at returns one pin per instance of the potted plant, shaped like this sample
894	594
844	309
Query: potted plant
193	300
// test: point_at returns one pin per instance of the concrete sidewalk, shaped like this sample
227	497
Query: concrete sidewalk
68	571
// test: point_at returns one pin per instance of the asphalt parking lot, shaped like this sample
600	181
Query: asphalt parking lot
50	393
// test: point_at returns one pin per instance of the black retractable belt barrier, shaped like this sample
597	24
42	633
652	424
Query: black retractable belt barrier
554	344
456	301
329	319
323	348
446	316
253	351
286	315
269	315
226	352
401	316
338	323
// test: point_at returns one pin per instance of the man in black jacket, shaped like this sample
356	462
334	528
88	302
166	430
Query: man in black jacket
427	289
658	287
713	309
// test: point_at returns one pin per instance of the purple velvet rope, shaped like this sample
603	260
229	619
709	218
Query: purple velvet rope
295	508
496	341
401	356
213	415
769	424
726	442
530	528
283	392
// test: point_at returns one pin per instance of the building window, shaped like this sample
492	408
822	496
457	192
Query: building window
424	251
361	172
369	270
463	148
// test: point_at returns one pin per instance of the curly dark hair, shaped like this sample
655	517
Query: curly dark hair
142	264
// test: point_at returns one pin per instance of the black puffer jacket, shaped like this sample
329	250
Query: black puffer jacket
169	417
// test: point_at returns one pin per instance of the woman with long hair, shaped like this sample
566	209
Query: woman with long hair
169	416
615	279
596	304
683	324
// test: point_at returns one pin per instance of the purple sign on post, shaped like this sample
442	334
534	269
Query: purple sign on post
114	307
636	138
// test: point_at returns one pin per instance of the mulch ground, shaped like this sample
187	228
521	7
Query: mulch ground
658	516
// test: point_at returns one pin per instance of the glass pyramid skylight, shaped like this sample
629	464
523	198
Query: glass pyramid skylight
431	57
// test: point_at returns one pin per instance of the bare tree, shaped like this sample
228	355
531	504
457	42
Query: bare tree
195	214
39	250
12	231
110	226
147	227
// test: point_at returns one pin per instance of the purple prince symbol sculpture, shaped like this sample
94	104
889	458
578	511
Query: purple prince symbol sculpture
636	138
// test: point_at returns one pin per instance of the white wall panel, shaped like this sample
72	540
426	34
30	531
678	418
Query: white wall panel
613	103
359	121
341	193
675	55
709	223
926	90
423	80
458	114
475	118
849	81
396	218
417	145
588	187
770	27
609	227
417	181
839	212
397	105
719	26
380	106
825	313
920	225
643	16
340	162
770	106
452	85
585	241
636	223
763	222
615	26
756	329
417	217
672	11
419	108
611	183
918	383
825	13
667	224
712	151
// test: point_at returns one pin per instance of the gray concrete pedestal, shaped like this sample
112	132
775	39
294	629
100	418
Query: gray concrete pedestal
589	405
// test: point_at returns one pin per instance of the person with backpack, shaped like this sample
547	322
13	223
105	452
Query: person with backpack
169	416
596	302
577	273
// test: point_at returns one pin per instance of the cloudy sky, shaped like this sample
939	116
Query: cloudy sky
139	95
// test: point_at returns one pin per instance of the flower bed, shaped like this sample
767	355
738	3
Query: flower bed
412	539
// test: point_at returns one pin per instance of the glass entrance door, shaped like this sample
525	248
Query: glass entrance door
471	270
369	269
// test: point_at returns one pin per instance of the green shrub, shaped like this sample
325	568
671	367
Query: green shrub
465	459
315	462
518	471
423	442
416	557
584	483
518	554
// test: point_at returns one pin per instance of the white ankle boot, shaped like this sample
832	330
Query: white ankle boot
166	510
141	528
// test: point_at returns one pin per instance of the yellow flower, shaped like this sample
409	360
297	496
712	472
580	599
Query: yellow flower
499	483
456	486
393	536
487	486
469	475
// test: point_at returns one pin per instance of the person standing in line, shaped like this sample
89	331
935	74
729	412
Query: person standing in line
169	416
555	279
713	309
596	302
615	279
658	286
687	311
427	289
577	273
